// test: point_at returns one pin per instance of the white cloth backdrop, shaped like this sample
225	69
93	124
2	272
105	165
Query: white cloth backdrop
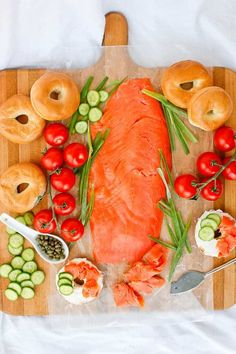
67	32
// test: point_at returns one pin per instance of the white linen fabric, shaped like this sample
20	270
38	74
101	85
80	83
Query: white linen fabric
67	33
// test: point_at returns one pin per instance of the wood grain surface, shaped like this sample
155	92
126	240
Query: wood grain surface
20	81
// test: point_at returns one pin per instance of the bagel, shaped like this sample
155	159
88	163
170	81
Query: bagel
19	122
182	80
210	108
55	96
22	175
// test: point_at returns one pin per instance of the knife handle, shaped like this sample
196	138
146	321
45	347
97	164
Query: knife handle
222	266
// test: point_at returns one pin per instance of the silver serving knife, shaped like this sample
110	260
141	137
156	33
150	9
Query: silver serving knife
192	279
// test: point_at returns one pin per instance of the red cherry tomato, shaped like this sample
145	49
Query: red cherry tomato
44	222
72	229
52	159
56	134
213	190
64	203
230	171
75	155
63	180
184	186
206	164
225	139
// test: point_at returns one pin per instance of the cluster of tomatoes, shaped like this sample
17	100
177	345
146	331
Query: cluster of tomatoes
62	179
209	164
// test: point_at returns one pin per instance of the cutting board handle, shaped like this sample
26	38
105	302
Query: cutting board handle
116	30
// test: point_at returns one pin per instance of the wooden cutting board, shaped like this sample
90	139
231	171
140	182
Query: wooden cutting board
20	81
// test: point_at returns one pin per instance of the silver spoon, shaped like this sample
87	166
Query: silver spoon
31	236
192	279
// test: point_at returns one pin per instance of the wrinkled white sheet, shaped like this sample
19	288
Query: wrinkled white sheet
49	33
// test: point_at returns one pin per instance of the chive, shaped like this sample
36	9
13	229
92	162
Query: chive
85	89
170	128
165	211
90	206
181	138
172	234
185	130
166	168
116	86
101	84
163	243
182	226
73	122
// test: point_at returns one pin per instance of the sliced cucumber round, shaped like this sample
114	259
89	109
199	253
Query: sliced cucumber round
209	222
103	95
66	275
28	254
214	217
27	284
64	281
30	267
95	114
206	233
38	277
15	286
84	109
16	240
17	262
22	277
5	270
93	98
66	289
10	231
14	251
11	294
21	219
29	218
14	274
81	127
27	293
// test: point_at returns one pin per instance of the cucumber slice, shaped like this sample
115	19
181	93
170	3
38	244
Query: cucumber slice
27	293
15	286
206	233
64	281
93	98
28	254
15	251
84	109
66	289
16	240
103	95
215	217
29	218
5	270
11	294
17	262
38	277
10	231
81	127
209	222
22	277
30	267
95	114
66	275
21	219
14	274
27	283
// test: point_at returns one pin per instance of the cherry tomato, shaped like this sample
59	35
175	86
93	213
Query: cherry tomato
184	186
63	180
64	203
205	164
56	134
230	171
52	159
224	139
75	155
213	190
44	222
72	229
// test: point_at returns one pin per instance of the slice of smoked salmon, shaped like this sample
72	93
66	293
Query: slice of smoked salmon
90	288
140	272
124	295
146	287
124	174
157	257
82	270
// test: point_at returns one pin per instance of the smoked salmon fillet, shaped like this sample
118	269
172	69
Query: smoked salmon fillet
124	175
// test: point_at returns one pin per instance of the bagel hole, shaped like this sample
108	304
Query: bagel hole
187	85
22	119
22	187
210	112
54	95
79	281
